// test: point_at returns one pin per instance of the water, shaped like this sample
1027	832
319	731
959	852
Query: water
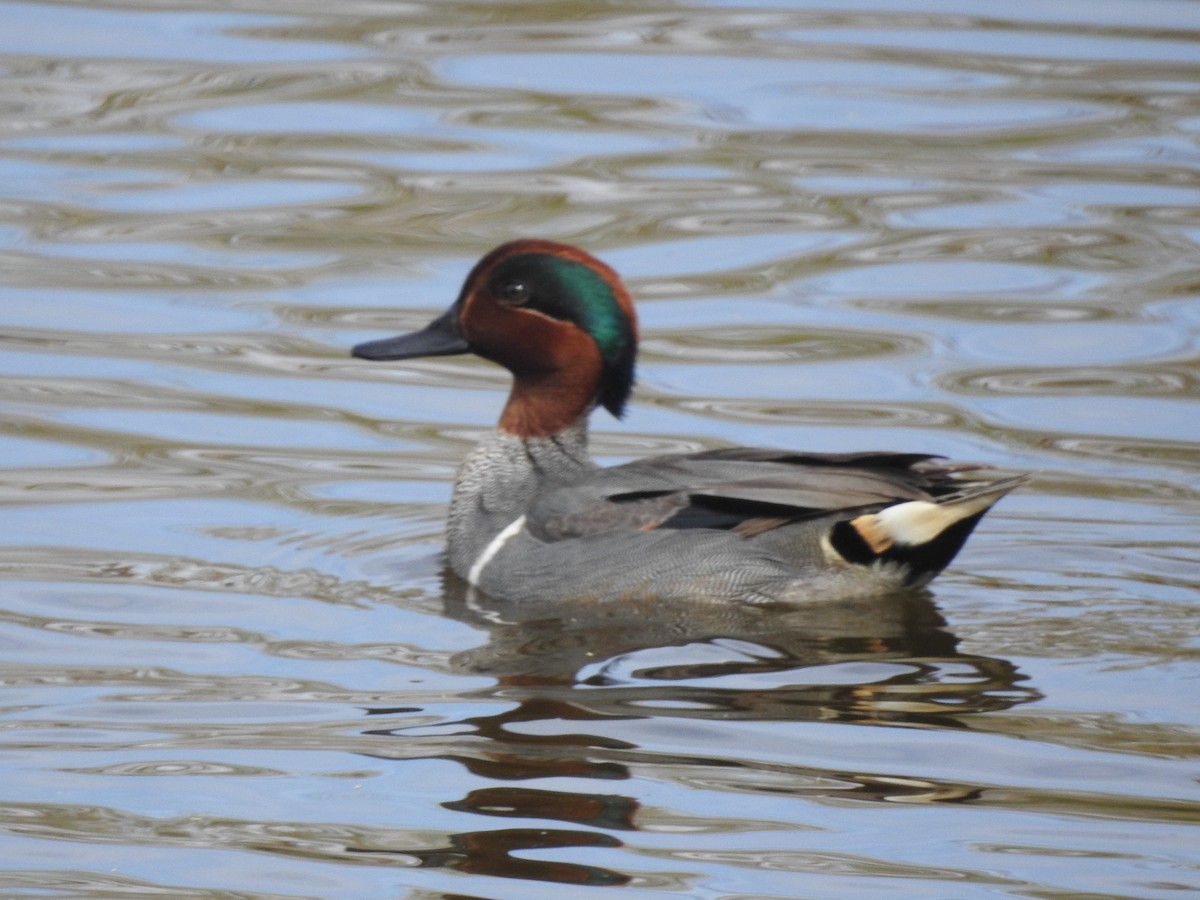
229	664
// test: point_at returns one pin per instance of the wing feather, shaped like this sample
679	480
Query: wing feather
744	490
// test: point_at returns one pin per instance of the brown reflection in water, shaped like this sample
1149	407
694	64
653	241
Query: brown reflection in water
513	755
495	763
595	810
490	853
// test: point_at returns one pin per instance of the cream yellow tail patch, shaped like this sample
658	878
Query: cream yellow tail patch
918	522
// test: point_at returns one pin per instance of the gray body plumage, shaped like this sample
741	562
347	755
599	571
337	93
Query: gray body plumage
603	534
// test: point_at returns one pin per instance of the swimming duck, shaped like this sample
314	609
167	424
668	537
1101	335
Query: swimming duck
533	517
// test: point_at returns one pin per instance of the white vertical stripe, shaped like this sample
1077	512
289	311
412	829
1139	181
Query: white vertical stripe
493	548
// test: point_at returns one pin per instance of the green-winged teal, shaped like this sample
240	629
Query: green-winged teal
533	517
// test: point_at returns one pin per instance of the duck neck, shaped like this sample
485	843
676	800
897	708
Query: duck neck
499	479
546	405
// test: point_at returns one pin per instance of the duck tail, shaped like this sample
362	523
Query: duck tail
921	535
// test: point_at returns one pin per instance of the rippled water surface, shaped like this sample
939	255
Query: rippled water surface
229	664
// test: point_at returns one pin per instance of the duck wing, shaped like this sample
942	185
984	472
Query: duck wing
745	490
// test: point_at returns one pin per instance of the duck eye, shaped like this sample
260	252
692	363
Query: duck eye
514	292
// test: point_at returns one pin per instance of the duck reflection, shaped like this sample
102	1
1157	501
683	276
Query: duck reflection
491	853
569	676
884	659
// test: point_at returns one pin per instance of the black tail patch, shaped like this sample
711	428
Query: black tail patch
923	561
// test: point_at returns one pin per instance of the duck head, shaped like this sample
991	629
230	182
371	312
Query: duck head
556	317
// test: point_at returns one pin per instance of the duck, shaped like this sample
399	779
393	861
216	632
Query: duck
533	518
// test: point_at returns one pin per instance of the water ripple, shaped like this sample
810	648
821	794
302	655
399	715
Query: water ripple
1077	381
226	622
